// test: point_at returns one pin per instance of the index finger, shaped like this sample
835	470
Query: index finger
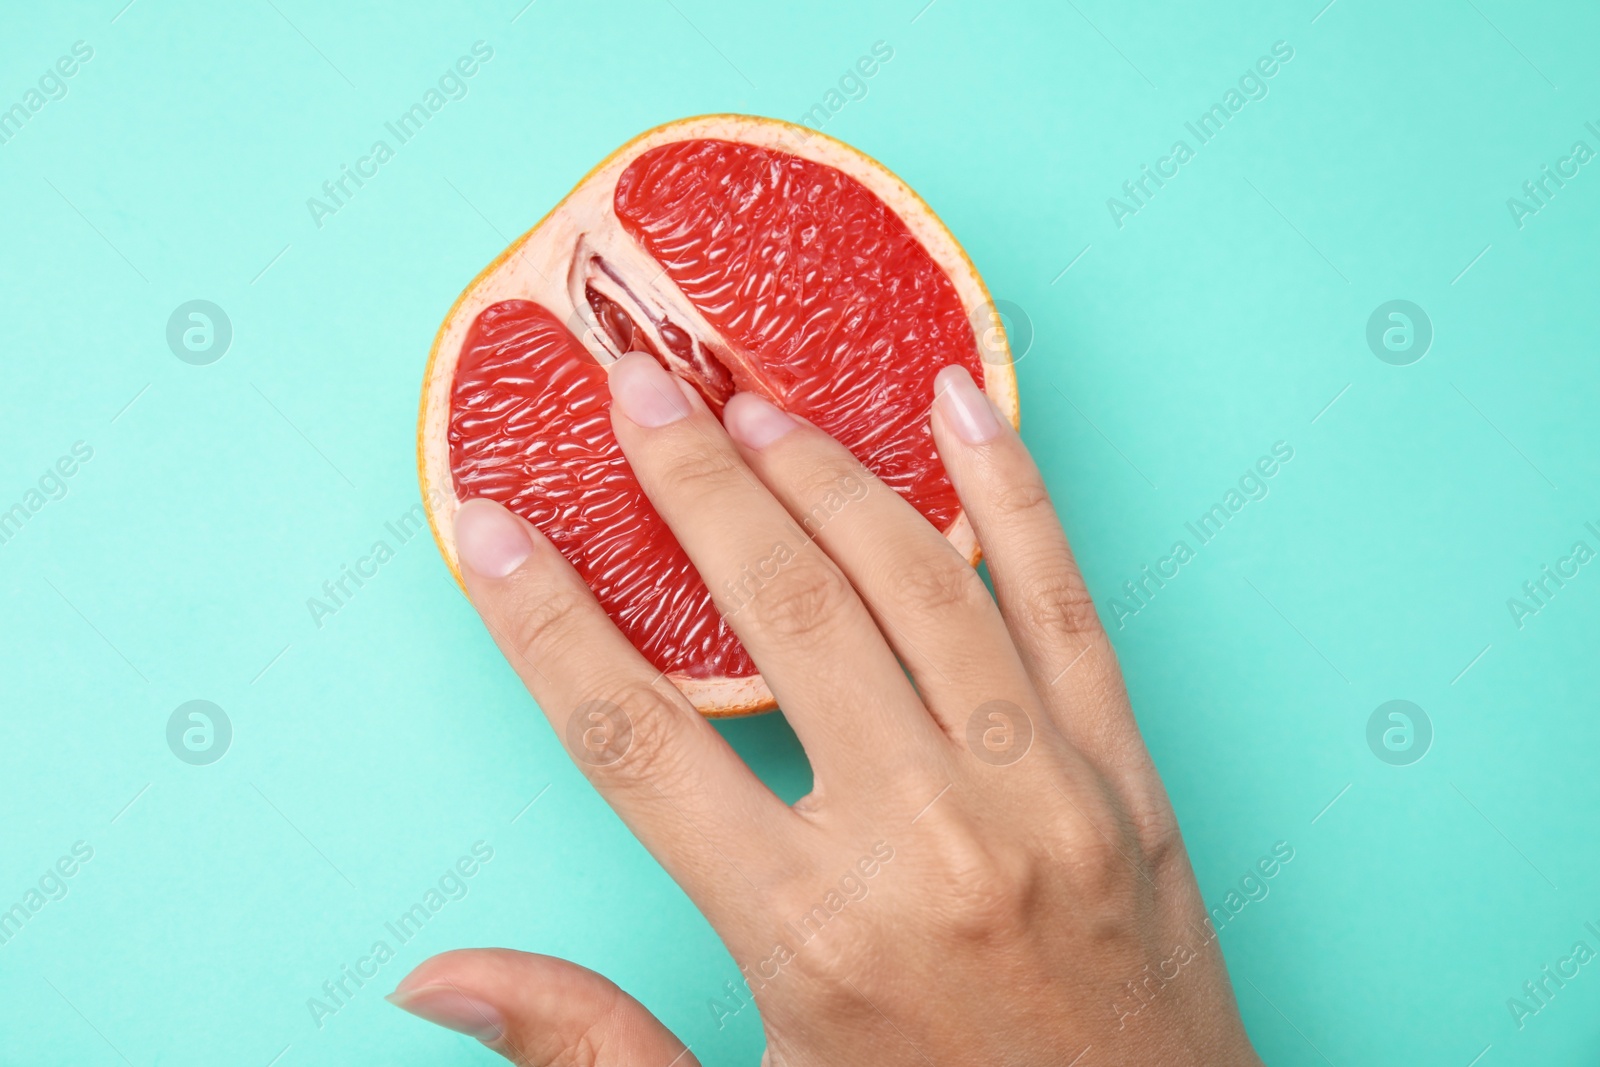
681	789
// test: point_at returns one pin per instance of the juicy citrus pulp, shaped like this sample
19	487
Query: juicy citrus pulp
740	264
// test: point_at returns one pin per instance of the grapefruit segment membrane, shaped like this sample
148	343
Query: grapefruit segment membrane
742	254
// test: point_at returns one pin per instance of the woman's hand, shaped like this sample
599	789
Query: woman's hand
987	871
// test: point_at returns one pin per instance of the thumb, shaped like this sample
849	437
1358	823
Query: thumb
538	1011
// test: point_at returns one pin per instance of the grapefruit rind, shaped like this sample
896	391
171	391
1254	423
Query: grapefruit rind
530	269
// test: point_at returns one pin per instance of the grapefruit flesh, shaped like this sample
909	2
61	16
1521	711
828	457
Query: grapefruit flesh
842	315
530	427
741	263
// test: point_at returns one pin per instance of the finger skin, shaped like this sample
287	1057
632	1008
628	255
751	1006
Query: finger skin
992	880
538	1011
838	682
676	783
926	598
1041	593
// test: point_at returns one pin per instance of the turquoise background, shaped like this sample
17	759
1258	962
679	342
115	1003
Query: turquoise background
1224	316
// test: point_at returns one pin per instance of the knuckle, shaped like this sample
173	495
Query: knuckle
1097	863
1159	839
702	470
805	603
988	892
545	625
1060	605
628	733
1102	853
584	1038
1023	500
932	587
828	489
830	959
587	1049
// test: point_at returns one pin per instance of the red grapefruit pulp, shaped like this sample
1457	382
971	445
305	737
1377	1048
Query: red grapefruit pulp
743	254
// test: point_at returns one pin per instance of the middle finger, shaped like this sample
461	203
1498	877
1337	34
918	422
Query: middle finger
836	678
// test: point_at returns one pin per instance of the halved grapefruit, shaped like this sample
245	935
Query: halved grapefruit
745	254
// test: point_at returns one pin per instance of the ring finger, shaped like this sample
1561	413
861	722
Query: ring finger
925	596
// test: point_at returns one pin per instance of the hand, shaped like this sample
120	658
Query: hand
987	871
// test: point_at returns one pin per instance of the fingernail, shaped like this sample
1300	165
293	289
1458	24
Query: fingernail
489	538
452	1009
645	392
754	421
965	406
